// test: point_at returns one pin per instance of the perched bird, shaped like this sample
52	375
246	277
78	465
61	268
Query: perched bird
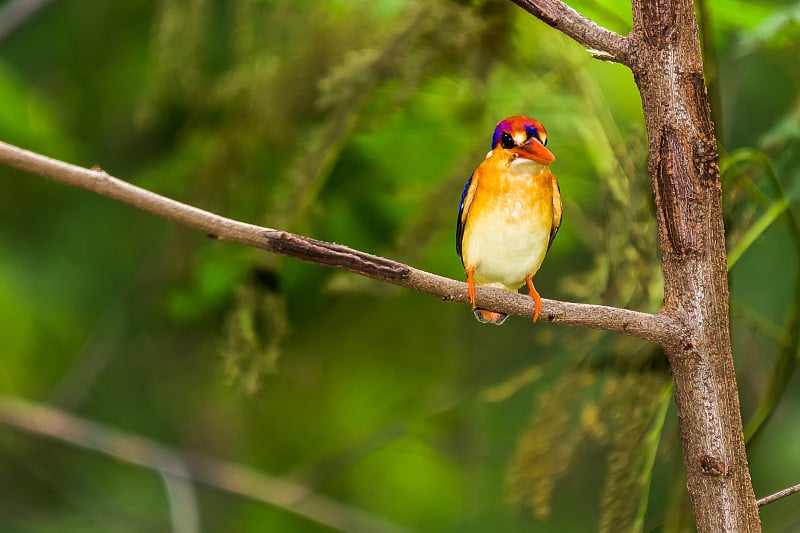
509	214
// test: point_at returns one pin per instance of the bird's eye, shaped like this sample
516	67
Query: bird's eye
532	131
507	140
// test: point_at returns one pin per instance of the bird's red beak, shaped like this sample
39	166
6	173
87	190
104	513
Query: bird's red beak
535	151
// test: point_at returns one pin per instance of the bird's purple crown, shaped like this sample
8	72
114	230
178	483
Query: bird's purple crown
512	124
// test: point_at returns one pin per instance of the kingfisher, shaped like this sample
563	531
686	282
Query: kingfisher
509	214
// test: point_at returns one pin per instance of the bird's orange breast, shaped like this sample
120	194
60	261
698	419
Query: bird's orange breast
507	232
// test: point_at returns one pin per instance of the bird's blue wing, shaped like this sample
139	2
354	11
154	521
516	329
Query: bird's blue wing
463	210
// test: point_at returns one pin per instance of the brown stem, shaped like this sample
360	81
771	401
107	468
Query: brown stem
683	164
654	328
663	52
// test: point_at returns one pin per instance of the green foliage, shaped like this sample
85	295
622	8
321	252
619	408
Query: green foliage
255	329
358	121
623	413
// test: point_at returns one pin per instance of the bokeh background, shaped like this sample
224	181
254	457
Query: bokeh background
358	121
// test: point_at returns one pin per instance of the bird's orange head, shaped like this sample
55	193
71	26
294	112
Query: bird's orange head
524	137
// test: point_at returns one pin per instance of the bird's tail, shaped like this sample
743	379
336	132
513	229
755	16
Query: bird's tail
489	317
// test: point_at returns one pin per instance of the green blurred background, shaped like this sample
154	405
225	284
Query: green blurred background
358	121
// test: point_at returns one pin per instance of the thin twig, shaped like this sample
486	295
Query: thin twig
230	477
778	495
15	13
610	45
658	328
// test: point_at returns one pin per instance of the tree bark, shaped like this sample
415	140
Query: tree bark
663	52
667	65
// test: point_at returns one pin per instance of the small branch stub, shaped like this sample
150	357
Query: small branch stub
712	466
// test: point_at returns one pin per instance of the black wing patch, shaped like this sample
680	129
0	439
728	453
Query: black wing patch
556	211
463	209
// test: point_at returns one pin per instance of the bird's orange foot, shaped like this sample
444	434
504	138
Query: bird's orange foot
537	300
471	286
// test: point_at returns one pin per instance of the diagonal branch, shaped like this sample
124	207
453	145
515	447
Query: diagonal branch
657	328
794	489
187	467
604	43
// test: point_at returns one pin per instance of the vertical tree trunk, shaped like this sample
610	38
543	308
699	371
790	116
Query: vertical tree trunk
667	65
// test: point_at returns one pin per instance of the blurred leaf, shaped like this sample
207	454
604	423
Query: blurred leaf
27	120
780	30
755	231
775	208
17	329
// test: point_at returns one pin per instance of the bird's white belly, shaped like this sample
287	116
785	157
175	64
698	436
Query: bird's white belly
505	248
